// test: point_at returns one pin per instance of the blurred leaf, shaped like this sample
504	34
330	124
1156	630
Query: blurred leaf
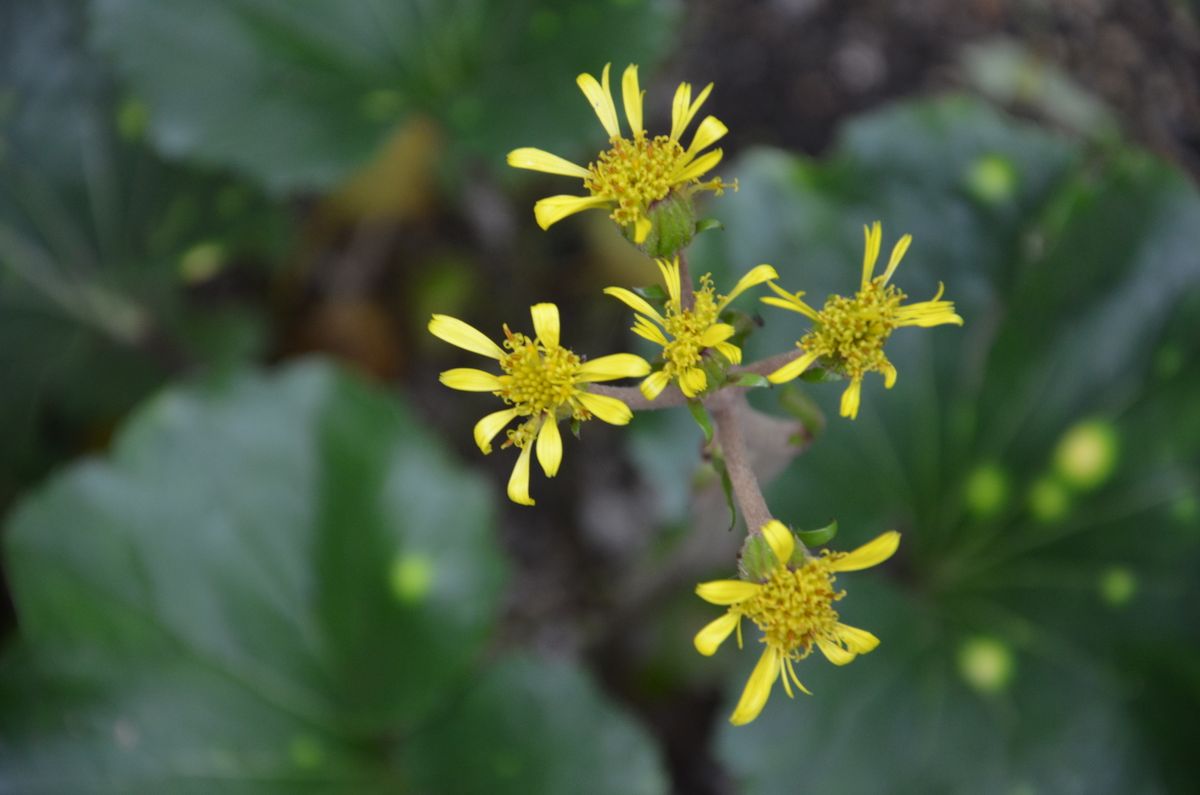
282	557
750	381
700	415
819	537
307	90
518	730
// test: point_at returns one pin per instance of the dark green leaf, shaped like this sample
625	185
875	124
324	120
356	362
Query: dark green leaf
750	381
700	415
819	537
706	224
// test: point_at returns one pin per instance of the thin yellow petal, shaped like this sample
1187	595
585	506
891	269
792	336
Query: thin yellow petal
790	669
790	301
758	688
487	428
873	235
463	335
613	366
897	254
708	133
632	95
600	97
780	540
647	330
552	209
608	409
671	278
698	167
468	379
540	160
549	447
693	381
756	276
835	653
727	592
518	482
654	384
679	109
870	554
794	368
717	332
545	323
889	374
850	398
731	352
709	639
641	229
635	302
858	640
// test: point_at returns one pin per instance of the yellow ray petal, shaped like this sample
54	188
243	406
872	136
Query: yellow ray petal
926	314
654	384
709	639
731	352
552	209
858	640
889	374
468	379
872	235
463	335
608	409
518	482
545	323
487	428
780	540
683	109
869	554
613	366
693	381
794	368
641	229
540	160
835	653
851	397
671	278
790	301
708	133
698	167
549	447
791	672
758	688
634	302
897	254
757	275
644	328
726	592
717	332
632	95
600	97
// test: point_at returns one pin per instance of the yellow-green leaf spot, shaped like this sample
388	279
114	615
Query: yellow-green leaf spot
1087	454
201	262
306	752
986	664
986	490
1118	585
1049	500
992	179
411	578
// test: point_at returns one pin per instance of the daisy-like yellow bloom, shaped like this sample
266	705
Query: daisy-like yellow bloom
851	332
794	609
689	333
541	382
634	172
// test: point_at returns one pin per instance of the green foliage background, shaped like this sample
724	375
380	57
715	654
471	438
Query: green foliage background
232	573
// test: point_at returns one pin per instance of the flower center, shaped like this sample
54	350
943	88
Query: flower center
795	607
686	328
634	173
537	378
853	330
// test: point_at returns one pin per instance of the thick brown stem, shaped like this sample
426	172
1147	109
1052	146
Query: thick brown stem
687	292
737	461
632	396
770	364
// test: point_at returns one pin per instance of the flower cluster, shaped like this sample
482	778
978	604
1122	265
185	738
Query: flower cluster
647	183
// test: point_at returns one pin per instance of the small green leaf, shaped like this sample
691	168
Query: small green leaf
705	224
821	375
756	560
817	538
656	294
750	381
575	427
718	463
797	403
700	414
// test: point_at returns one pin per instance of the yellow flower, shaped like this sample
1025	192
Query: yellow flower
635	172
691	331
540	381
851	332
794	610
